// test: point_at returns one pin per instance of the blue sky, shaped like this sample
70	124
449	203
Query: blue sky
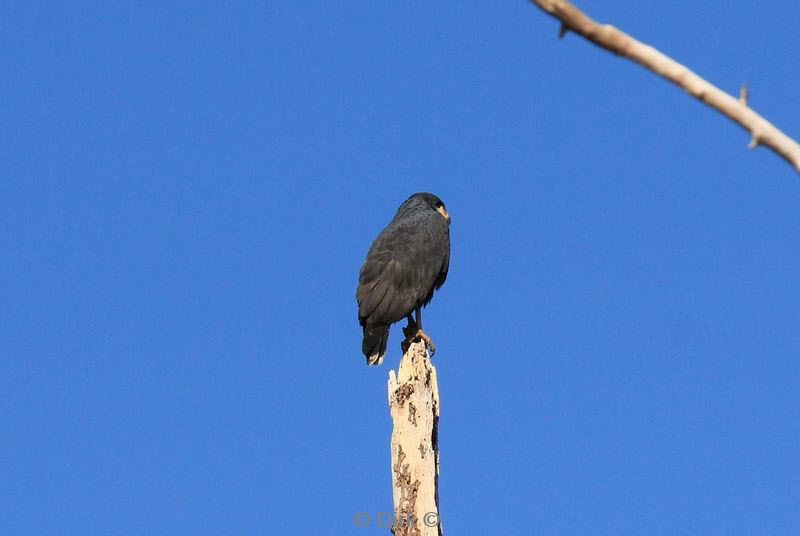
188	191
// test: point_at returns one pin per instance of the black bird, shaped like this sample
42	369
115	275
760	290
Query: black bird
406	262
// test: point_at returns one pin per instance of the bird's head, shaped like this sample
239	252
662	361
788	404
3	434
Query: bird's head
431	201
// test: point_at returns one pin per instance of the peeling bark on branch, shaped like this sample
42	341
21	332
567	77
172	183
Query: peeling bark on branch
762	132
414	406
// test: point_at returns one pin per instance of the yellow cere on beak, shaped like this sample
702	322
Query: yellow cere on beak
444	214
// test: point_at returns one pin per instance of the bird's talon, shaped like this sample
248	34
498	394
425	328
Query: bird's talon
422	336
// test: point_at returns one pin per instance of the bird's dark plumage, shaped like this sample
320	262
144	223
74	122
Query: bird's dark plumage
406	262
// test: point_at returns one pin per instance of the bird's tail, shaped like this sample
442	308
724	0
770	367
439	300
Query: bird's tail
374	343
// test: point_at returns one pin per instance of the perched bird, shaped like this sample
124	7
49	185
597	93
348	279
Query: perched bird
406	262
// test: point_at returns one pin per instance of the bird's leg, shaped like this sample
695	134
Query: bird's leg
414	332
409	332
411	329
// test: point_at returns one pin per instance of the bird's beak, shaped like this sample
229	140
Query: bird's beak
444	214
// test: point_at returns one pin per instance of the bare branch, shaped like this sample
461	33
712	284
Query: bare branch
414	406
762	132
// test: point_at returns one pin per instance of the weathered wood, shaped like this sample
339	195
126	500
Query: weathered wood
414	406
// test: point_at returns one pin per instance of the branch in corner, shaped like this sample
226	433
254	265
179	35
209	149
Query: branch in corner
762	132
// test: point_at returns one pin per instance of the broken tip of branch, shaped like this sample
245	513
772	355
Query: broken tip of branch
562	31
753	142
744	93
